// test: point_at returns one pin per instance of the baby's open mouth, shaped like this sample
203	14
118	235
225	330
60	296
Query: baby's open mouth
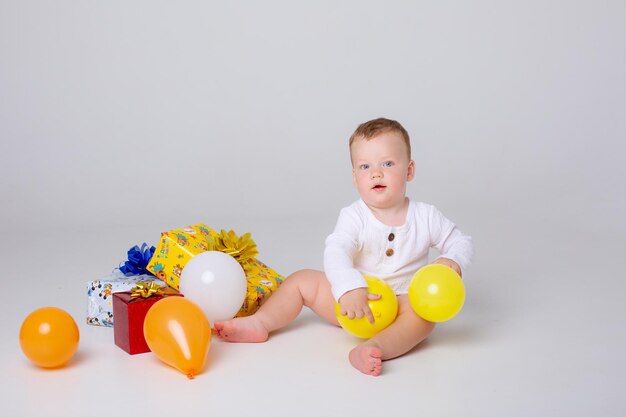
379	187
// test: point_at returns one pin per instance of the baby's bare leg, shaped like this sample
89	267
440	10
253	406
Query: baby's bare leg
303	288
406	332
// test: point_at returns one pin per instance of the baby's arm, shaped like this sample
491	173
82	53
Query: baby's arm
348	285
456	249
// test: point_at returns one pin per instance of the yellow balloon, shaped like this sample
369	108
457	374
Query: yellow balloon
179	334
436	293
384	310
49	337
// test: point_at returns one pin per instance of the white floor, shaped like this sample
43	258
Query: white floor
540	337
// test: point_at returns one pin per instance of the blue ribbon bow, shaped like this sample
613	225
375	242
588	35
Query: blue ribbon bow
138	259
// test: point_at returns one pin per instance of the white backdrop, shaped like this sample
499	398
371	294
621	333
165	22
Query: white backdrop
122	119
154	112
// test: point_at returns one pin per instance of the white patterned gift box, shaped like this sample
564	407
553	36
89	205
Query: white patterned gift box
100	295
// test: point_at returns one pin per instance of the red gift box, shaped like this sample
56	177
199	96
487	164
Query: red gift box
129	314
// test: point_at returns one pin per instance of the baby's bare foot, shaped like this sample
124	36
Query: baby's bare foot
243	329
367	359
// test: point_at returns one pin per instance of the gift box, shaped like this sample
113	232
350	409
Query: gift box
177	247
262	282
100	295
130	309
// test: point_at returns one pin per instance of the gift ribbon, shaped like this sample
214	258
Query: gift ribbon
242	248
138	259
145	289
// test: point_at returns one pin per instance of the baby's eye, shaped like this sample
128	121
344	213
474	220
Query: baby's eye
388	164
364	166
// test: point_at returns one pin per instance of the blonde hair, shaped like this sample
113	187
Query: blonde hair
369	130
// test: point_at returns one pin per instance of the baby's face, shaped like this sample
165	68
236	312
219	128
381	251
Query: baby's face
381	168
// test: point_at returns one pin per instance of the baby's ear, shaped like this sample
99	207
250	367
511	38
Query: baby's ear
411	171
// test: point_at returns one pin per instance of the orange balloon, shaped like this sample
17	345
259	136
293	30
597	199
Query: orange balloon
179	334
49	337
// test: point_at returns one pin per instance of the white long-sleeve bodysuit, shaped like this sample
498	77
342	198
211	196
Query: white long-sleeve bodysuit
362	245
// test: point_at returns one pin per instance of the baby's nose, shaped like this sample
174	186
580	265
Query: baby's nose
376	173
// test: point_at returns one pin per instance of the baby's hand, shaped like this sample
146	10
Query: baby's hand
354	304
450	264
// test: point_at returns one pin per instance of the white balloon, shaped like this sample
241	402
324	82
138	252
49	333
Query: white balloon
216	282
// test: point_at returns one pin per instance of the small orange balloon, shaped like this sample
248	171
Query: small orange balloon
179	334
49	337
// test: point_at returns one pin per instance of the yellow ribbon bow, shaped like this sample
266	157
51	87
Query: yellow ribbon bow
145	289
242	248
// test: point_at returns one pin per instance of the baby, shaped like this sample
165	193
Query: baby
383	234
